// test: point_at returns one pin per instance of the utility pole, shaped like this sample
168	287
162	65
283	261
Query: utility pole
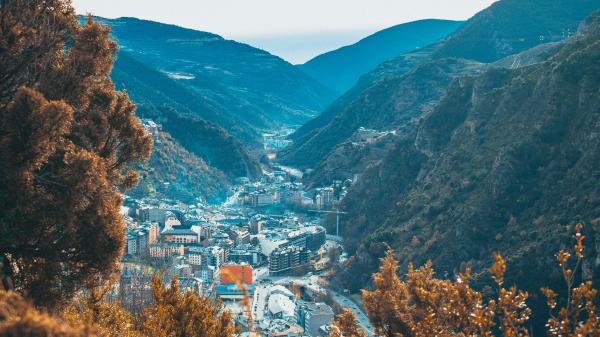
337	218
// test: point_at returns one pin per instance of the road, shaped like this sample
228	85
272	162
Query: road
232	200
259	304
260	273
363	320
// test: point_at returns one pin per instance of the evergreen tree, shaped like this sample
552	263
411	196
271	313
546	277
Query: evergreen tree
187	314
346	325
67	139
19	319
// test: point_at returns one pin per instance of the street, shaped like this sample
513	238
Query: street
363	320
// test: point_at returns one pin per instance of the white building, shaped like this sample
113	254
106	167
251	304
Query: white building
281	306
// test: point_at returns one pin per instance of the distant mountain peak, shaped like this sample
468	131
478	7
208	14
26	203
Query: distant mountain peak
340	69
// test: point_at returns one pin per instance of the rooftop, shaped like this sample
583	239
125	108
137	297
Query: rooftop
178	231
233	289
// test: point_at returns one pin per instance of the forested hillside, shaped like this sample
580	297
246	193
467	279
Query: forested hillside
503	163
244	84
507	27
213	96
177	174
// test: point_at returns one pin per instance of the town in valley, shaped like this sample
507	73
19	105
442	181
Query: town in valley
266	242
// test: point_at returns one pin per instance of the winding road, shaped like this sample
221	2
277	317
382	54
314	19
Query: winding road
363	320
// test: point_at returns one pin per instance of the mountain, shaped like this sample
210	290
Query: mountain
150	87
410	97
239	83
212	98
506	162
392	103
515	25
392	68
185	117
508	27
340	69
175	173
206	140
505	28
174	106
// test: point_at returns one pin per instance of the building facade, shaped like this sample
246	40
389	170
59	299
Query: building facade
313	316
179	235
284	260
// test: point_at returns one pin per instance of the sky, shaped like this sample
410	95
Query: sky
295	30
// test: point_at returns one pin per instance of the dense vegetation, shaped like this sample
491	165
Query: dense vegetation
420	304
67	139
175	173
506	28
503	159
395	103
207	141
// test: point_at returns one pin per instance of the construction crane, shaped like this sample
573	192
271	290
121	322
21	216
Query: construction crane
337	218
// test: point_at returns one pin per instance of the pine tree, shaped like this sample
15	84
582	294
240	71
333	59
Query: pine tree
346	325
187	314
18	318
67	140
422	305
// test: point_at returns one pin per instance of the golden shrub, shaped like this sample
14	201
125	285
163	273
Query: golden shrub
18	318
422	305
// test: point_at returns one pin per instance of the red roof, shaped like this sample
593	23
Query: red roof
235	273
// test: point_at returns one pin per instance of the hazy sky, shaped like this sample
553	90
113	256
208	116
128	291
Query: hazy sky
293	29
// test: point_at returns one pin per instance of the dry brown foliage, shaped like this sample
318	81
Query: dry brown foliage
345	324
176	314
18	318
66	141
422	305
109	319
579	316
172	313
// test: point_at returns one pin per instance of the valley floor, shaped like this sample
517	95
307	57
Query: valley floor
270	226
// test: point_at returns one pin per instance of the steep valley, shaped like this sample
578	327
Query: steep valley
507	162
434	178
213	97
508	27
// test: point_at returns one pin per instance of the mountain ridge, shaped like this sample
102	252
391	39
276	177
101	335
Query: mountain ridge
505	163
341	68
246	75
312	142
